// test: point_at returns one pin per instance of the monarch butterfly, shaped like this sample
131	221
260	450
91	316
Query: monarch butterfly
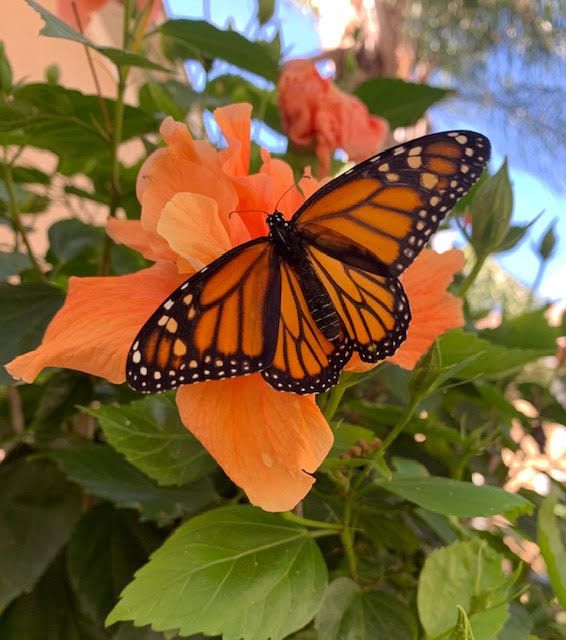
295	304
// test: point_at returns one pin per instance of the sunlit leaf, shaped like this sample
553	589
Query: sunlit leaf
235	571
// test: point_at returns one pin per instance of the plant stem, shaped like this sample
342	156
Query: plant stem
333	402
471	277
16	220
116	139
347	538
536	282
398	428
307	522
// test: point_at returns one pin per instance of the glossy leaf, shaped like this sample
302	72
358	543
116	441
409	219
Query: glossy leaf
235	571
25	312
38	508
400	103
457	498
150	434
196	38
347	612
105	473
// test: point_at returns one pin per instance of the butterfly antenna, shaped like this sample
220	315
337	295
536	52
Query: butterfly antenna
293	186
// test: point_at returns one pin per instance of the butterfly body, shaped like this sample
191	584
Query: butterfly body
291	247
295	304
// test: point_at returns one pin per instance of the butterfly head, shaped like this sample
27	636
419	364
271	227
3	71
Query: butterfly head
276	219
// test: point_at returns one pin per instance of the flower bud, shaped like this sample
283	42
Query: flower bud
547	244
491	210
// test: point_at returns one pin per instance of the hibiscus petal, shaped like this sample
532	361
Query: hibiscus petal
435	310
184	165
191	225
235	122
131	234
96	326
266	441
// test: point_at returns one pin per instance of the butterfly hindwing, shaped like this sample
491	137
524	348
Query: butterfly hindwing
305	361
380	214
220	323
373	309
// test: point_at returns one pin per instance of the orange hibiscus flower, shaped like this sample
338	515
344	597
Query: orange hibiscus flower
315	113
85	9
268	442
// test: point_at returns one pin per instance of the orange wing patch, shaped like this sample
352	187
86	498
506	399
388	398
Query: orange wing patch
304	361
373	309
218	324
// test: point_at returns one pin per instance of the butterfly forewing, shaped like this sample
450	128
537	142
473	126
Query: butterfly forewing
305	361
380	214
220	323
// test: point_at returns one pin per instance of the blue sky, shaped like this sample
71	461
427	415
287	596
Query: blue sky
531	195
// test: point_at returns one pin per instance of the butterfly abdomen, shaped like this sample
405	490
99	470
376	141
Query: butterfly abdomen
318	300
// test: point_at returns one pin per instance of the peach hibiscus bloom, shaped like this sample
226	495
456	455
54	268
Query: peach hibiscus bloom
315	113
268	442
85	9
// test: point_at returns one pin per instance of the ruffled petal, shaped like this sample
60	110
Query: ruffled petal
235	122
96	326
131	234
434	309
183	166
191	226
266	441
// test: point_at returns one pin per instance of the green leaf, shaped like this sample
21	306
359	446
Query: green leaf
400	103
347	613
265	10
30	175
199	39
235	571
529	330
457	498
57	28
235	89
487	624
347	435
38	508
5	71
462	573
462	630
50	612
491	211
107	474
551	533
67	122
69	238
106	548
515	234
25	312
12	264
150	434
491	360
27	201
